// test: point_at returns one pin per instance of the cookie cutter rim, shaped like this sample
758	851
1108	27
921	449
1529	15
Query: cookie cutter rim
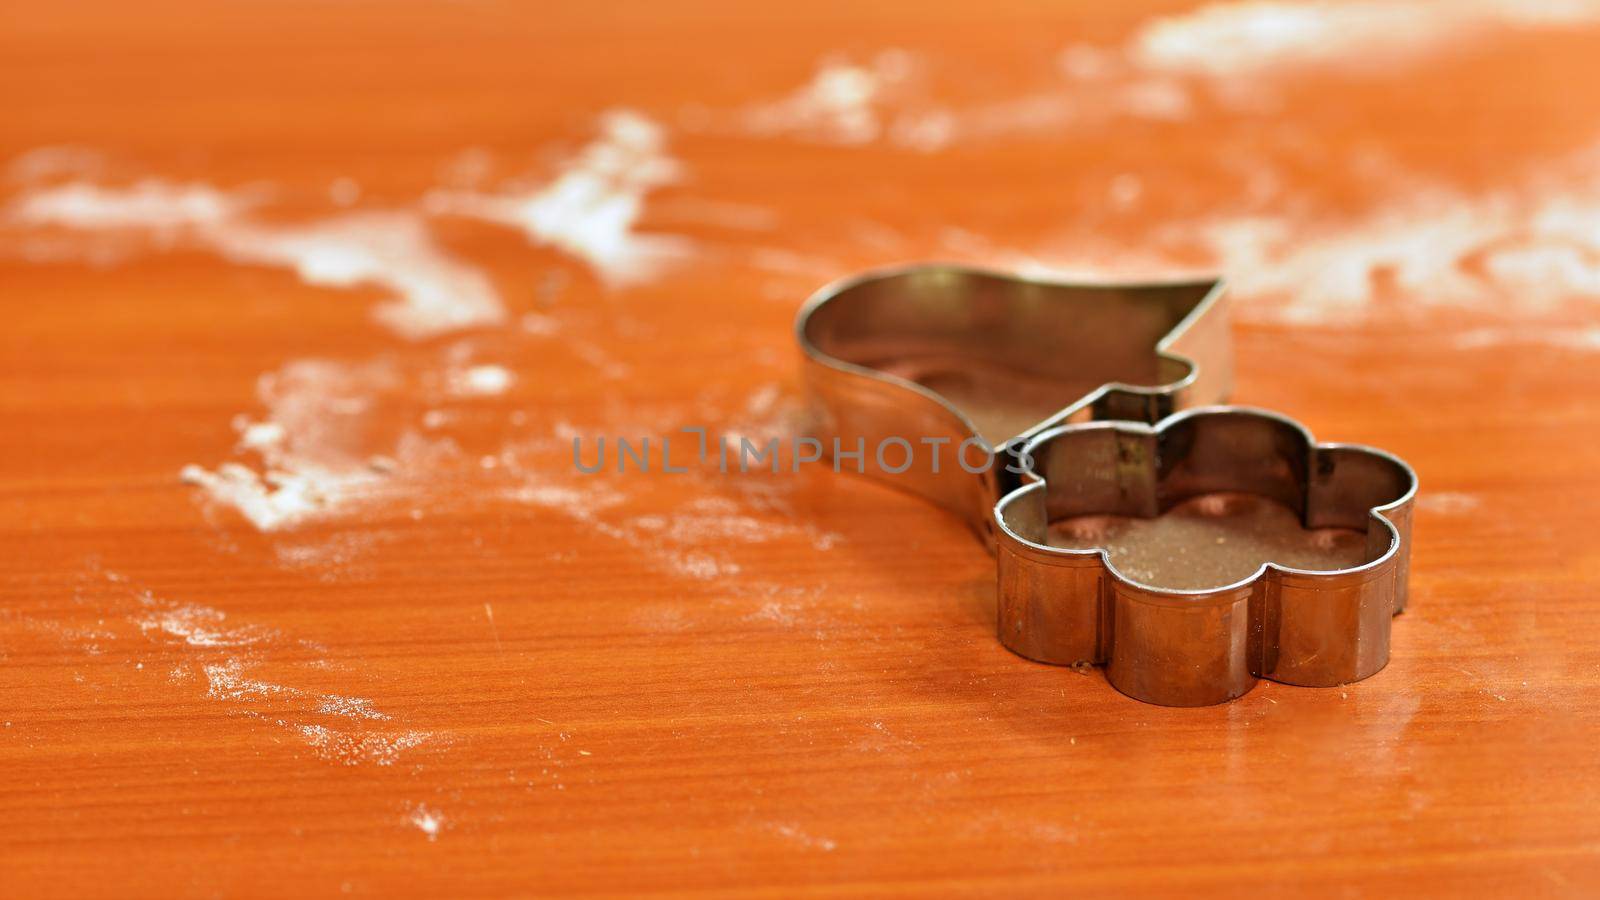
1038	483
1193	684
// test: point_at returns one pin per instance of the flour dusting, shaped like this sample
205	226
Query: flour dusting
1580	339
843	103
197	626
309	463
432	293
589	501
592	207
480	381
1448	503
1533	249
793	833
1530	248
227	681
151	204
55	161
1239	43
1230	56
270	500
428	821
1236	54
697	539
303	460
852	104
248	669
382	748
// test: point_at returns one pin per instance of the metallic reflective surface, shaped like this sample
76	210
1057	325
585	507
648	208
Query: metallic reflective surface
1188	647
950	353
1211	540
1071	374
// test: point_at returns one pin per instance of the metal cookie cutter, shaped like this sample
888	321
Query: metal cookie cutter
953	354
1210	642
1086	382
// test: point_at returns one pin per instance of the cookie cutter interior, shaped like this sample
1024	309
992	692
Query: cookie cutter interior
1188	647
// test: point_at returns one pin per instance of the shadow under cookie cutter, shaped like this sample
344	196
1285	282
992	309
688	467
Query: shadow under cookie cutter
949	353
959	354
1312	627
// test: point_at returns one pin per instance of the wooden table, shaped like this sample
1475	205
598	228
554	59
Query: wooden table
405	252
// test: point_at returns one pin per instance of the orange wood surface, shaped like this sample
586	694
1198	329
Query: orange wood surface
484	674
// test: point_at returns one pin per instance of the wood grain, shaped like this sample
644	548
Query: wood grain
745	684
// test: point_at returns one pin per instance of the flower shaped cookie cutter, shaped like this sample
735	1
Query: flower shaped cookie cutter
1197	646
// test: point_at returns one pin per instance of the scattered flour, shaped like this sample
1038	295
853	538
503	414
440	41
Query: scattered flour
775	612
1230	54
768	414
227	681
1530	248
204	649
591	208
587	502
701	566
382	748
321	450
480	381
1448	503
841	104
1535	249
261	437
55	161
792	832
850	104
159	206
1241	43
433	293
429	821
275	499
197	626
692	540
309	465
1583	339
